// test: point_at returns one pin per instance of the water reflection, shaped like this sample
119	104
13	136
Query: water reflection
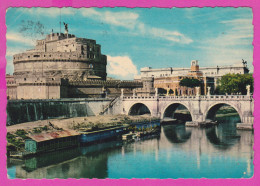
177	133
225	135
171	155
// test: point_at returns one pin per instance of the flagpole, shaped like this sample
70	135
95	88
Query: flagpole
60	21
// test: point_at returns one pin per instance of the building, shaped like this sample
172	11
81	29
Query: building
61	56
211	72
173	81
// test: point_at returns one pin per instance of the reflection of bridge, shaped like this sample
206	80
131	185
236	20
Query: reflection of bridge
200	107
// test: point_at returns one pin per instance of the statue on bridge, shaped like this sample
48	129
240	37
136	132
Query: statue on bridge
197	91
248	90
209	90
156	92
122	92
134	92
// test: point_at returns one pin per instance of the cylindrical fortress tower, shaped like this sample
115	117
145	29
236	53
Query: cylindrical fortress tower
61	56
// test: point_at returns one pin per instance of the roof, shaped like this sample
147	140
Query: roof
53	135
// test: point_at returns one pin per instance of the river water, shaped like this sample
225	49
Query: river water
179	152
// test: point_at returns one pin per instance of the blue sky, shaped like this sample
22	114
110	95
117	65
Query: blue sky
139	37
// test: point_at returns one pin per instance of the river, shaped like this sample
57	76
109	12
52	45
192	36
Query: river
179	152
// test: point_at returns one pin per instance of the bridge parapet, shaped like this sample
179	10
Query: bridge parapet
227	97
211	98
139	98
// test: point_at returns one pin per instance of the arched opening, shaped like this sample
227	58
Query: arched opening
223	113
224	135
139	109
178	112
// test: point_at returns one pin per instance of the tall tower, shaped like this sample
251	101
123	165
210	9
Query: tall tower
194	65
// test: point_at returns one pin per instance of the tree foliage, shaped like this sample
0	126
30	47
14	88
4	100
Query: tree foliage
162	91
235	83
187	82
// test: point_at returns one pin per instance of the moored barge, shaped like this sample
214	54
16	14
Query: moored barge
99	135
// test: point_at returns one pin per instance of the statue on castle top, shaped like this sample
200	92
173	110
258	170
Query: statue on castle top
66	28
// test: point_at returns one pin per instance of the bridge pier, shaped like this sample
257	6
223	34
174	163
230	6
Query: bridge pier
197	119
246	123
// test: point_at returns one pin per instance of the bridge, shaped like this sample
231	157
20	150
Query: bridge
201	107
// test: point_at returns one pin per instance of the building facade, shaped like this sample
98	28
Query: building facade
210	72
173	81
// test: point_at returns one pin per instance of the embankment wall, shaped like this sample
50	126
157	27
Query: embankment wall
20	111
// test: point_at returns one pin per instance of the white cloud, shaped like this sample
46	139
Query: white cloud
237	21
50	12
17	37
121	67
130	20
123	19
173	36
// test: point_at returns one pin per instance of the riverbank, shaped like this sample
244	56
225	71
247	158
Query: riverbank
17	134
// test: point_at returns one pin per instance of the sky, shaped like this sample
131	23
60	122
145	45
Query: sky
142	37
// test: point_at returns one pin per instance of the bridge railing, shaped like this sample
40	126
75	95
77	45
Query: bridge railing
202	97
225	97
139	97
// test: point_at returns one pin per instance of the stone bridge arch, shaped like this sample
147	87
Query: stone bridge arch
213	108
135	108
174	105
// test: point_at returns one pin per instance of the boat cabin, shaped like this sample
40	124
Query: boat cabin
51	141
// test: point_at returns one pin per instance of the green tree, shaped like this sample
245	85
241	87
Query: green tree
170	91
187	82
235	83
162	91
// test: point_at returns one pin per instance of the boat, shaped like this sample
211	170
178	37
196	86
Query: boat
99	135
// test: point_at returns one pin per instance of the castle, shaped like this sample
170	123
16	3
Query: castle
63	66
